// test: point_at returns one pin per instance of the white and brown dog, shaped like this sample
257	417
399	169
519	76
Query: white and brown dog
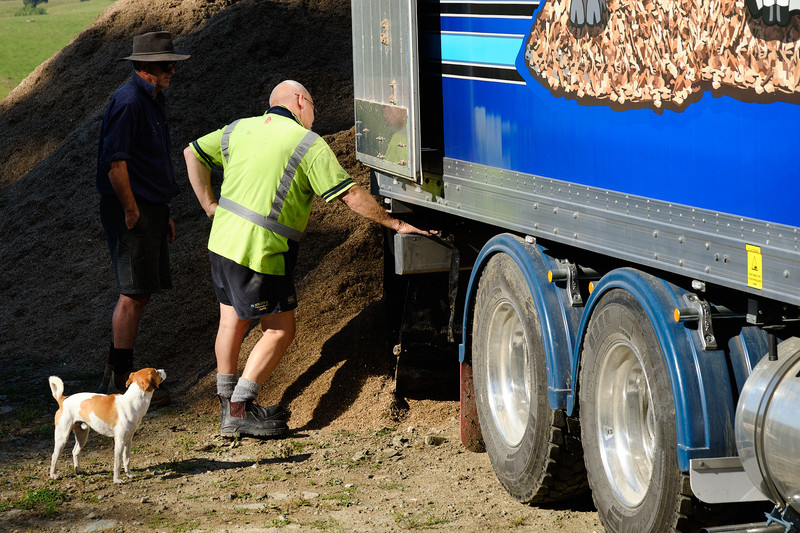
114	415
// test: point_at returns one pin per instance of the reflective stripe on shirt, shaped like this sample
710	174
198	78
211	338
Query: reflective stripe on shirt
260	220
270	222
225	142
290	171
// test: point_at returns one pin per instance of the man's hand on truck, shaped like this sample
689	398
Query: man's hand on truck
404	227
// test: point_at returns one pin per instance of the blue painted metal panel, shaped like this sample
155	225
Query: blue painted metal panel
477	48
486	25
718	153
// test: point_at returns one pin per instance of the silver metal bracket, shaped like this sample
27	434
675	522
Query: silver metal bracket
705	327
575	298
416	254
722	480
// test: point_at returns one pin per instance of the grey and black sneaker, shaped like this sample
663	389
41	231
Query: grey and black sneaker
252	420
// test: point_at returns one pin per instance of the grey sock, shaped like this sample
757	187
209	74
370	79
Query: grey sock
245	390
226	383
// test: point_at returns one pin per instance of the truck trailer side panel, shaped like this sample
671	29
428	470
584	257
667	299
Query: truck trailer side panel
710	180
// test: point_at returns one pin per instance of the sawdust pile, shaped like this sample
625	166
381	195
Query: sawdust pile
665	53
56	285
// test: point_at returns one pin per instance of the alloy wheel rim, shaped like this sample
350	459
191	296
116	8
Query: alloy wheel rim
625	423
508	373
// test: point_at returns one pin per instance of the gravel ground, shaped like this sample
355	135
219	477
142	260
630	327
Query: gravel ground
188	478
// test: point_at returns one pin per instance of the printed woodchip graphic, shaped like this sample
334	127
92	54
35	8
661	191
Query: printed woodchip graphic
664	53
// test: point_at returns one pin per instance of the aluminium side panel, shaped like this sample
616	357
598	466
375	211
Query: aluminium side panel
386	85
664	139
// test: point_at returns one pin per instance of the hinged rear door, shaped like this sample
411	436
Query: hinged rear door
386	86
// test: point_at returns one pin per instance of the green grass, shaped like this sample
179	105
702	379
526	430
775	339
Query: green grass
422	520
343	498
331	524
25	45
44	502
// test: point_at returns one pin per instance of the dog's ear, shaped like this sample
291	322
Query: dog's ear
153	379
147	379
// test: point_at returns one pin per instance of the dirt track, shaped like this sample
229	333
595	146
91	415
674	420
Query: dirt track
341	470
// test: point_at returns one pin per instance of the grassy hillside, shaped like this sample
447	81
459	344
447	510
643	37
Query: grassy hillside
25	42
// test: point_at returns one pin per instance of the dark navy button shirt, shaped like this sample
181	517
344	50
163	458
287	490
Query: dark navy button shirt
135	130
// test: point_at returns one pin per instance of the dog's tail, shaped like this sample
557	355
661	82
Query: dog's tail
57	388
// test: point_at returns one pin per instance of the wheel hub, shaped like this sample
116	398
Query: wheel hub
508	373
626	423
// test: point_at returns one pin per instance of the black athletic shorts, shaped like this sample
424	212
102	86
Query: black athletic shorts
253	294
140	255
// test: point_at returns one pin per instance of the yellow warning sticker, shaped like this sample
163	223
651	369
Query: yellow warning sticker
755	274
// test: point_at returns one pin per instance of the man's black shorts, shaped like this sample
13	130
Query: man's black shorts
253	294
140	255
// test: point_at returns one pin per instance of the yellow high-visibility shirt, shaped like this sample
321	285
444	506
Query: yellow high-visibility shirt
272	167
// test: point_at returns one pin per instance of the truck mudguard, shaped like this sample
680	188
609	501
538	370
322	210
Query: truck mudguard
705	404
559	321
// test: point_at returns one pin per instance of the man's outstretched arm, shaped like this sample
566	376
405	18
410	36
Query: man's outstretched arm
360	201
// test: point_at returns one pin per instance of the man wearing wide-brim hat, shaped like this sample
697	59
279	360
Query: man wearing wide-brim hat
136	182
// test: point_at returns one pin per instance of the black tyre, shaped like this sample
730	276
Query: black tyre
628	421
535	451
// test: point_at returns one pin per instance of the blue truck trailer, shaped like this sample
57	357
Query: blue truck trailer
615	180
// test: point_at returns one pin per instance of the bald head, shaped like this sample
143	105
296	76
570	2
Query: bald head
296	99
284	93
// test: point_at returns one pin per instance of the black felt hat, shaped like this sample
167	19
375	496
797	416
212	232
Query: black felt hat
155	46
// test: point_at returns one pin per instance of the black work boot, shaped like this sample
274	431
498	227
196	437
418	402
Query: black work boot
121	362
249	419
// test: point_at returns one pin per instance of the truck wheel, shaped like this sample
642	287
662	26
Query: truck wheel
535	451
628	420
